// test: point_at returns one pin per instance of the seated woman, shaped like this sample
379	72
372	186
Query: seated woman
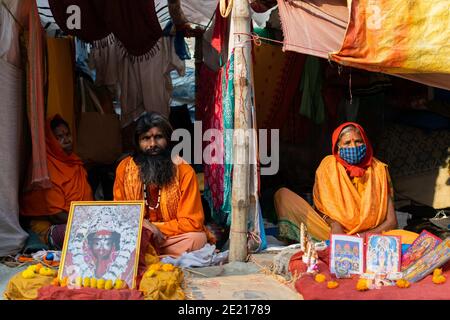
352	191
46	210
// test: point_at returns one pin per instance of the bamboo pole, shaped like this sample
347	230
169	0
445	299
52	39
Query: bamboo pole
242	120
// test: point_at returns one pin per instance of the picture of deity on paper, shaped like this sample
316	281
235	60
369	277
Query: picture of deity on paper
383	254
346	255
420	247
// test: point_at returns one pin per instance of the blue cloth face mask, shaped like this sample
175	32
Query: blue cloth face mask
353	155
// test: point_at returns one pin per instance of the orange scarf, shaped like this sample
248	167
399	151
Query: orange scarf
336	196
68	178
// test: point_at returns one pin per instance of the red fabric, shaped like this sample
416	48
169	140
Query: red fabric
312	290
210	104
134	23
64	293
359	169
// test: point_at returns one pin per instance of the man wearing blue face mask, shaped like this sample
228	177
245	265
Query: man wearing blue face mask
352	191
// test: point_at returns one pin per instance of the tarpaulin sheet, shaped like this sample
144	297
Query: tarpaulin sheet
397	36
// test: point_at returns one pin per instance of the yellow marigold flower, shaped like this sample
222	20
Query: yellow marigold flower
439	279
108	284
402	283
168	267
437	272
101	284
28	274
32	268
362	285
93	283
155	267
332	284
86	282
78	281
320	278
118	284
44	271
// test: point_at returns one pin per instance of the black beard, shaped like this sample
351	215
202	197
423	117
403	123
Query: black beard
155	169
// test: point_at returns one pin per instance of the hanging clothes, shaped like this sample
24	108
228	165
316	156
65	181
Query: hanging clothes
12	237
34	43
211	105
60	98
133	23
144	85
312	105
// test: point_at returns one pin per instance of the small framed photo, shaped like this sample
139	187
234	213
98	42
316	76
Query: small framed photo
383	254
102	241
346	254
424	243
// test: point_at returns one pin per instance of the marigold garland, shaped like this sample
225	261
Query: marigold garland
320	278
332	284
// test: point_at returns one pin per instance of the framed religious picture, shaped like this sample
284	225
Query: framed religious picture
426	264
383	254
346	255
424	243
102	241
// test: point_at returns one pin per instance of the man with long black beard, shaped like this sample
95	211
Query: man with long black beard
174	216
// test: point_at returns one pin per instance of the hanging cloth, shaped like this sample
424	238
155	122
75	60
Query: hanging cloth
133	23
312	105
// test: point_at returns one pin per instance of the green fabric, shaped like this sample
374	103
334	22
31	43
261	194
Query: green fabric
266	33
312	105
34	243
288	230
228	123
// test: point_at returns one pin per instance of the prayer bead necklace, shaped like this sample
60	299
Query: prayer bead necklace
145	198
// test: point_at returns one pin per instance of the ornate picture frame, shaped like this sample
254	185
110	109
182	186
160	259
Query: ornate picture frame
102	241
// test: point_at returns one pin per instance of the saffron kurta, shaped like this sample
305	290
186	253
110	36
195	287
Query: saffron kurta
180	208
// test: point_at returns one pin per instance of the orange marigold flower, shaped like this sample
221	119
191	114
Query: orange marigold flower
55	282
320	278
362	285
64	282
332	284
38	267
439	279
402	283
437	272
155	267
168	267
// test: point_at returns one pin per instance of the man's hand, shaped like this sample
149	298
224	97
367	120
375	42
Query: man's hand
336	228
158	236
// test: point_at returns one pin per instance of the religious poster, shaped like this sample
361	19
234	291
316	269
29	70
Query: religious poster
346	255
383	254
424	243
425	265
102	241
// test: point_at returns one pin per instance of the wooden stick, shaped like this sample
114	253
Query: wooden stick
242	120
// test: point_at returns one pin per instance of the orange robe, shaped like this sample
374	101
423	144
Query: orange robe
68	178
358	204
180	208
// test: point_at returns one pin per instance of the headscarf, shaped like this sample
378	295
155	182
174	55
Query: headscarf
359	169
